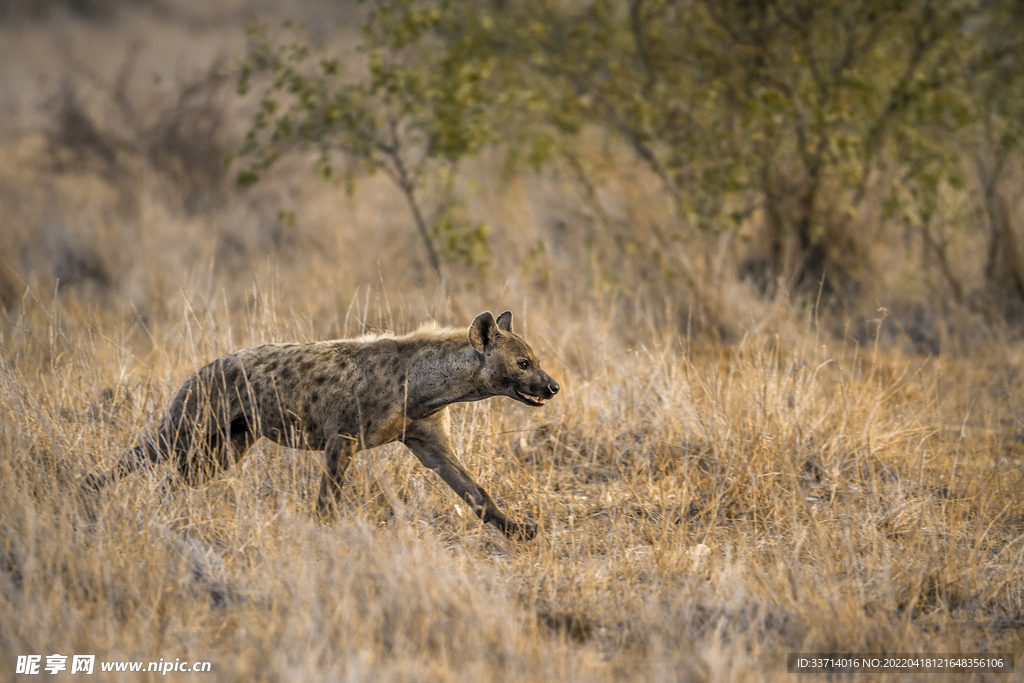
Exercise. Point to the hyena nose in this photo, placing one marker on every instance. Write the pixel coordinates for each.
(553, 387)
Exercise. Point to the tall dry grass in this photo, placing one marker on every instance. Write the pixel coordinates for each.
(849, 500)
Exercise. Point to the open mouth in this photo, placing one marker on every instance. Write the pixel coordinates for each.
(531, 400)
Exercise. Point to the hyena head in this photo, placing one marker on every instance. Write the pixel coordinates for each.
(510, 366)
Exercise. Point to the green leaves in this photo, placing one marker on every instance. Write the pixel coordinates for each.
(789, 113)
(419, 109)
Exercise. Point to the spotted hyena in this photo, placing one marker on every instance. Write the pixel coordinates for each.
(347, 395)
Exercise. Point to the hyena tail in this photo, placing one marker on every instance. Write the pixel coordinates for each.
(148, 453)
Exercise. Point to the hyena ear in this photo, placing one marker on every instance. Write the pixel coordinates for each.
(482, 331)
(505, 321)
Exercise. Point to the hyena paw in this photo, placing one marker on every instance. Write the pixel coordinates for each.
(520, 531)
(326, 511)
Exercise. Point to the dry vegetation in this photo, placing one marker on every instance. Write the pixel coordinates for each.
(715, 489)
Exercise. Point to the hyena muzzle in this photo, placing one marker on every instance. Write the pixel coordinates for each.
(345, 396)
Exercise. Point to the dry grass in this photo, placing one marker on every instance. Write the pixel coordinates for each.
(850, 501)
(721, 480)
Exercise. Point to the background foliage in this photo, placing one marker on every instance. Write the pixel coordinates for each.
(818, 130)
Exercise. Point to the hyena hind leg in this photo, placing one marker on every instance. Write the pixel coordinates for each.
(339, 453)
(198, 464)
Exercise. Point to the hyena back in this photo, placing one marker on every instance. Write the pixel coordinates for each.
(344, 396)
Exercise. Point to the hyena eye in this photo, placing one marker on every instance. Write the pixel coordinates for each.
(523, 364)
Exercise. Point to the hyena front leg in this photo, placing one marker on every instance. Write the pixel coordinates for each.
(339, 452)
(436, 453)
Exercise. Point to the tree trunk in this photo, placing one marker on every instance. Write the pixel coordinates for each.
(1004, 267)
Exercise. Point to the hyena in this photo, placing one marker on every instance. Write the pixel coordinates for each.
(345, 396)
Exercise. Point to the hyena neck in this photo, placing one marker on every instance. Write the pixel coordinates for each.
(442, 375)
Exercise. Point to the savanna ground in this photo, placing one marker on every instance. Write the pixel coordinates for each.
(714, 490)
